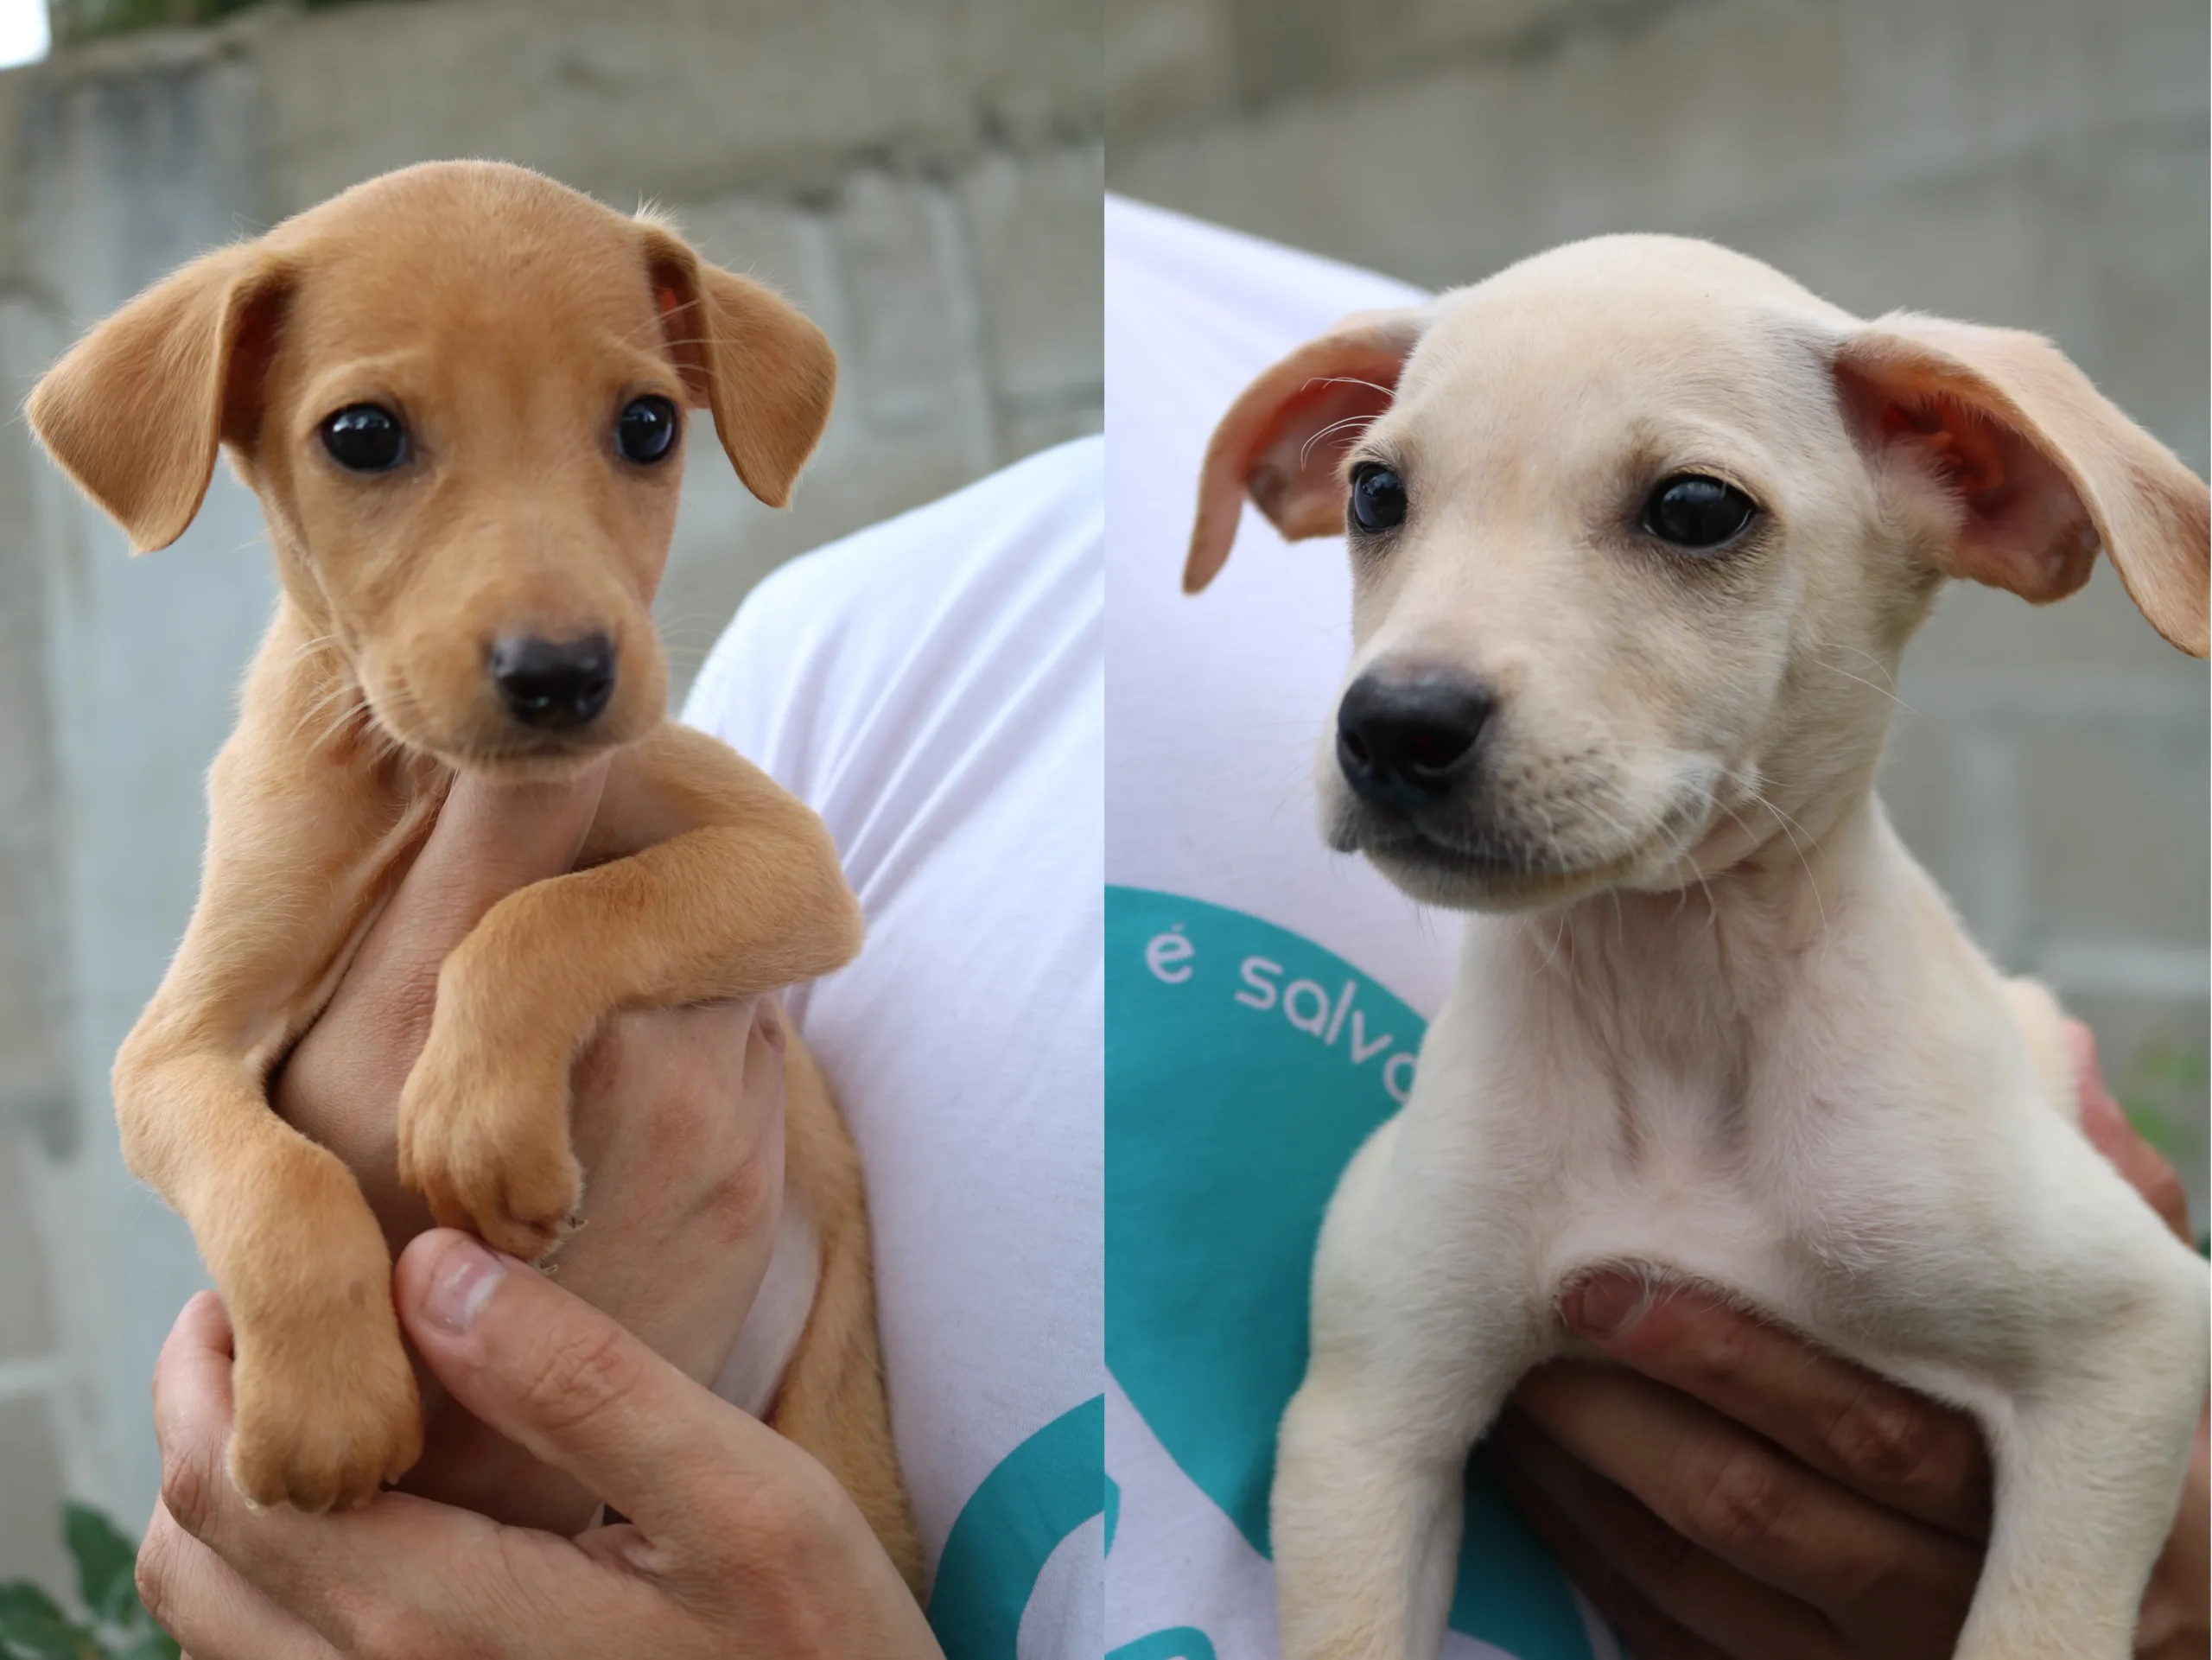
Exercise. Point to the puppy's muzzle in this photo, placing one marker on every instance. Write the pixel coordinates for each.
(553, 685)
(1406, 742)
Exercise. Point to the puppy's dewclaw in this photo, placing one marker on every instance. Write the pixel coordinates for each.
(1639, 530)
(459, 392)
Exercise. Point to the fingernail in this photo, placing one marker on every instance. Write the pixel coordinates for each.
(466, 1281)
(1604, 1305)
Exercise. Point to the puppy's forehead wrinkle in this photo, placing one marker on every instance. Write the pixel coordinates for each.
(361, 379)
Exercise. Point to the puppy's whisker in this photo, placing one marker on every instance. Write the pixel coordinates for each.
(1351, 380)
(309, 648)
(1870, 685)
(1875, 658)
(1361, 421)
(342, 702)
(659, 319)
(1789, 828)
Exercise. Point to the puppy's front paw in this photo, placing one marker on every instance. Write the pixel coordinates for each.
(326, 1410)
(486, 1144)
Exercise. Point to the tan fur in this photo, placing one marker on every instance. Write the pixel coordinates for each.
(835, 1373)
(507, 319)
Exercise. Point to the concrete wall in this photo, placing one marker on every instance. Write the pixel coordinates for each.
(2040, 164)
(922, 175)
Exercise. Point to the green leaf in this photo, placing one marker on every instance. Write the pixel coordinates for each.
(157, 1644)
(20, 1600)
(105, 1560)
(59, 1642)
(33, 1625)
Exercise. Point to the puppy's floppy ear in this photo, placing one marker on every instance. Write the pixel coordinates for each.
(2043, 467)
(1284, 436)
(746, 353)
(136, 409)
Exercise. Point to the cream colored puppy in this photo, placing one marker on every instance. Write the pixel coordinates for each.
(1639, 529)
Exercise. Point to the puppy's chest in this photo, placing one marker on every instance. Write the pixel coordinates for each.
(377, 828)
(1831, 1202)
(1665, 1147)
(1736, 1160)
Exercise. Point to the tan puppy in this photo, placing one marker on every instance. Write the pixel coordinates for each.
(457, 391)
(1639, 530)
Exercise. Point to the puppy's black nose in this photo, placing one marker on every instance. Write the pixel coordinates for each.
(554, 683)
(1407, 741)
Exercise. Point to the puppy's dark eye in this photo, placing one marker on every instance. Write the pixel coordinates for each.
(1378, 497)
(645, 430)
(1692, 511)
(365, 438)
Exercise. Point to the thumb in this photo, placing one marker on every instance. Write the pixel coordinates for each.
(575, 1390)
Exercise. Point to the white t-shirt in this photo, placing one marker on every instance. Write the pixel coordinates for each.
(934, 688)
(1265, 996)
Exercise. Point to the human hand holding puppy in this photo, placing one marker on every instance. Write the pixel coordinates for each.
(1730, 1490)
(738, 1542)
(677, 1119)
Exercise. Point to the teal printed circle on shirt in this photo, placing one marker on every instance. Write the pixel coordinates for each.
(1038, 1494)
(1244, 1066)
(1184, 1642)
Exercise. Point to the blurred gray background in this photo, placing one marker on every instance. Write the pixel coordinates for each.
(2038, 163)
(922, 177)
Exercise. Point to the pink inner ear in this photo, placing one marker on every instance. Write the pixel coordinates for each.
(2026, 527)
(1281, 442)
(690, 359)
(1971, 459)
(2063, 472)
(1283, 437)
